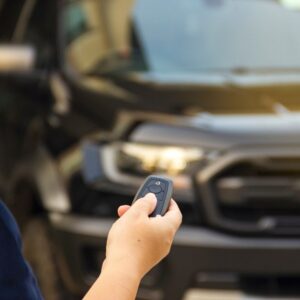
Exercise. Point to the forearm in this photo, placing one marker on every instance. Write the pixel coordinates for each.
(114, 283)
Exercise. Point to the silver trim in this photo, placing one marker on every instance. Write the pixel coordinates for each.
(251, 152)
(14, 58)
(108, 156)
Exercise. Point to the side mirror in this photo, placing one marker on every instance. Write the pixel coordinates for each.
(15, 58)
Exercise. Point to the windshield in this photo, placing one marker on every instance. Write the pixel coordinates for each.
(196, 35)
(188, 36)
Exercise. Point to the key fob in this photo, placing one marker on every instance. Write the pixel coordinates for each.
(162, 187)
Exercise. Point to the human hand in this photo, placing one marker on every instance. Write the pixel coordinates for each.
(137, 242)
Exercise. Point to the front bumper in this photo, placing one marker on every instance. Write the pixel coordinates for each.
(195, 251)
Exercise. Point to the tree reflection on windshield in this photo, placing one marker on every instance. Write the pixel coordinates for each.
(176, 36)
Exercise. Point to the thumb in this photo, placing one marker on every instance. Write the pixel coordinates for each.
(145, 205)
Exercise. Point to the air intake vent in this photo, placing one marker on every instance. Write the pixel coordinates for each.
(255, 194)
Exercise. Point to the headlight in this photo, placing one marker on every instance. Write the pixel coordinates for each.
(123, 166)
(140, 159)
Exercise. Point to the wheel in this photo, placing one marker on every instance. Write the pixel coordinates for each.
(39, 252)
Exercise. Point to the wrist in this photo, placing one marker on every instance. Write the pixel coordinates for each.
(116, 281)
(123, 267)
(121, 279)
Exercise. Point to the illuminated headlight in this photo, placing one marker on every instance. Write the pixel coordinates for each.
(125, 165)
(141, 159)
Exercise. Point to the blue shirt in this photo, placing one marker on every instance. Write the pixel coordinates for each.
(16, 278)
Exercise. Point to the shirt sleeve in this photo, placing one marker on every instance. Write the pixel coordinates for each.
(16, 277)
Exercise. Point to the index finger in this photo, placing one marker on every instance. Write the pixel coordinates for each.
(173, 214)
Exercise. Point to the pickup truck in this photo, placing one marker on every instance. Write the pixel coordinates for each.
(94, 98)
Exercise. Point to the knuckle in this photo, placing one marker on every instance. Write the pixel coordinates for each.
(170, 231)
(135, 212)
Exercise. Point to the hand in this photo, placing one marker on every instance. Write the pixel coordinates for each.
(137, 242)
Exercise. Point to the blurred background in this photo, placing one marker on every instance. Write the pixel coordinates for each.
(95, 95)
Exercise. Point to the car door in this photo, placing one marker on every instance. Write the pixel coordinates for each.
(26, 58)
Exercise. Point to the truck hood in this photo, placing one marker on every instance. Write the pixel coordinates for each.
(238, 78)
(214, 92)
(224, 131)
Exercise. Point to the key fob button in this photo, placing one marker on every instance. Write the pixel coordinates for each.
(160, 196)
(145, 192)
(159, 208)
(152, 182)
(163, 185)
(157, 182)
(155, 189)
(162, 188)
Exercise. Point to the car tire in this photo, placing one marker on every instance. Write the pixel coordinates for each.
(39, 252)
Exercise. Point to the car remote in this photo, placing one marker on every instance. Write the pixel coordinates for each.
(162, 187)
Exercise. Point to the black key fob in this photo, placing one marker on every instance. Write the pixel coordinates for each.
(162, 187)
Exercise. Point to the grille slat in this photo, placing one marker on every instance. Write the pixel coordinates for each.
(259, 192)
(255, 194)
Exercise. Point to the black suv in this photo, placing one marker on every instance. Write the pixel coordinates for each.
(107, 92)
